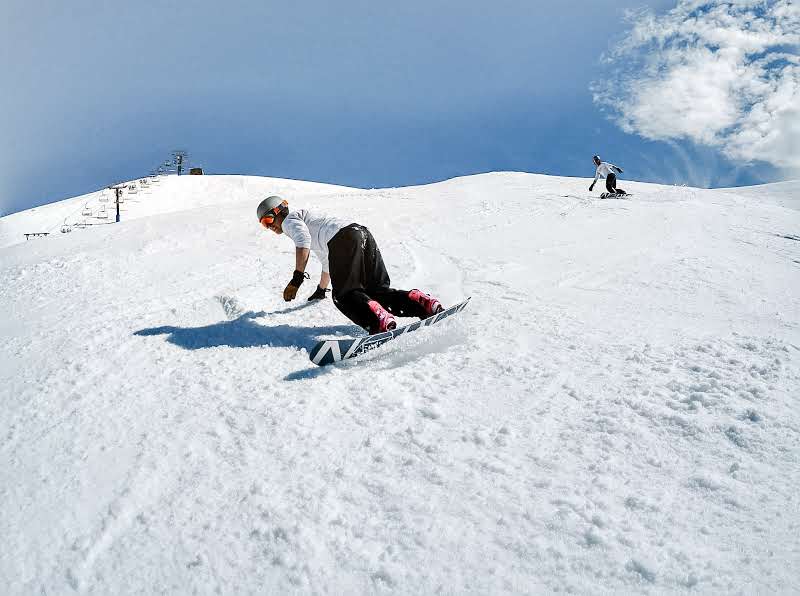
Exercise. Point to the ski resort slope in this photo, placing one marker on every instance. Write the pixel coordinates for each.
(615, 412)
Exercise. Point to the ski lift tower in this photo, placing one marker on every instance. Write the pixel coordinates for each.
(117, 188)
(179, 158)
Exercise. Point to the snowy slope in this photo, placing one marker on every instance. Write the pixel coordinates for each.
(162, 194)
(783, 194)
(616, 411)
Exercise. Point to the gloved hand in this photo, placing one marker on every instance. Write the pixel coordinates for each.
(318, 294)
(591, 187)
(290, 293)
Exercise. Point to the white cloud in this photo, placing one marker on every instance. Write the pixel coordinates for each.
(721, 74)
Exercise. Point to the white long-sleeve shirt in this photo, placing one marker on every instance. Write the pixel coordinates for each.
(604, 169)
(313, 231)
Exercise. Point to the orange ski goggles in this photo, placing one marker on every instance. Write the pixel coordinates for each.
(269, 218)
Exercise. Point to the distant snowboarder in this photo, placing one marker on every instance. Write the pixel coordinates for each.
(351, 262)
(609, 172)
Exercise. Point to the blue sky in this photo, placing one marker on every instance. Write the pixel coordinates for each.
(358, 93)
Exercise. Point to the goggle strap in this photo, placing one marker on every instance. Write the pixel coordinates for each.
(280, 207)
(274, 211)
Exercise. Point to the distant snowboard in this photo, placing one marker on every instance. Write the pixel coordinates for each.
(329, 351)
(615, 195)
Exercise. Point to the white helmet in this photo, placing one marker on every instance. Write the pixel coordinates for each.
(271, 206)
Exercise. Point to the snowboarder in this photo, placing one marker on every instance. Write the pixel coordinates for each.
(609, 172)
(351, 262)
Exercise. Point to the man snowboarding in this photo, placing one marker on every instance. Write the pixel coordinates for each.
(351, 262)
(609, 172)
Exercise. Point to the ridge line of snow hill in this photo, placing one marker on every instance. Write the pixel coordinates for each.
(172, 194)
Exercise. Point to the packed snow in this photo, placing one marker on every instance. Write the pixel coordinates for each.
(616, 411)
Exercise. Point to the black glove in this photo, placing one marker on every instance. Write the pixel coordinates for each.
(298, 277)
(318, 294)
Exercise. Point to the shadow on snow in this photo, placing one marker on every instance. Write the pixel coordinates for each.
(244, 332)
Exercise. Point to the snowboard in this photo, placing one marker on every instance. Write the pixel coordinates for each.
(329, 351)
(615, 195)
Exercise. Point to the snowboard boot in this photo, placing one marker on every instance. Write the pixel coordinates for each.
(384, 320)
(429, 304)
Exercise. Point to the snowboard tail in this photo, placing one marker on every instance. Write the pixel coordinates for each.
(329, 351)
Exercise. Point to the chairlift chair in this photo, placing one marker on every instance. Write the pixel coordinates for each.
(102, 214)
(87, 211)
(65, 228)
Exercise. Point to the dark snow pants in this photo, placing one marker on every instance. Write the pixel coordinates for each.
(358, 275)
(611, 184)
